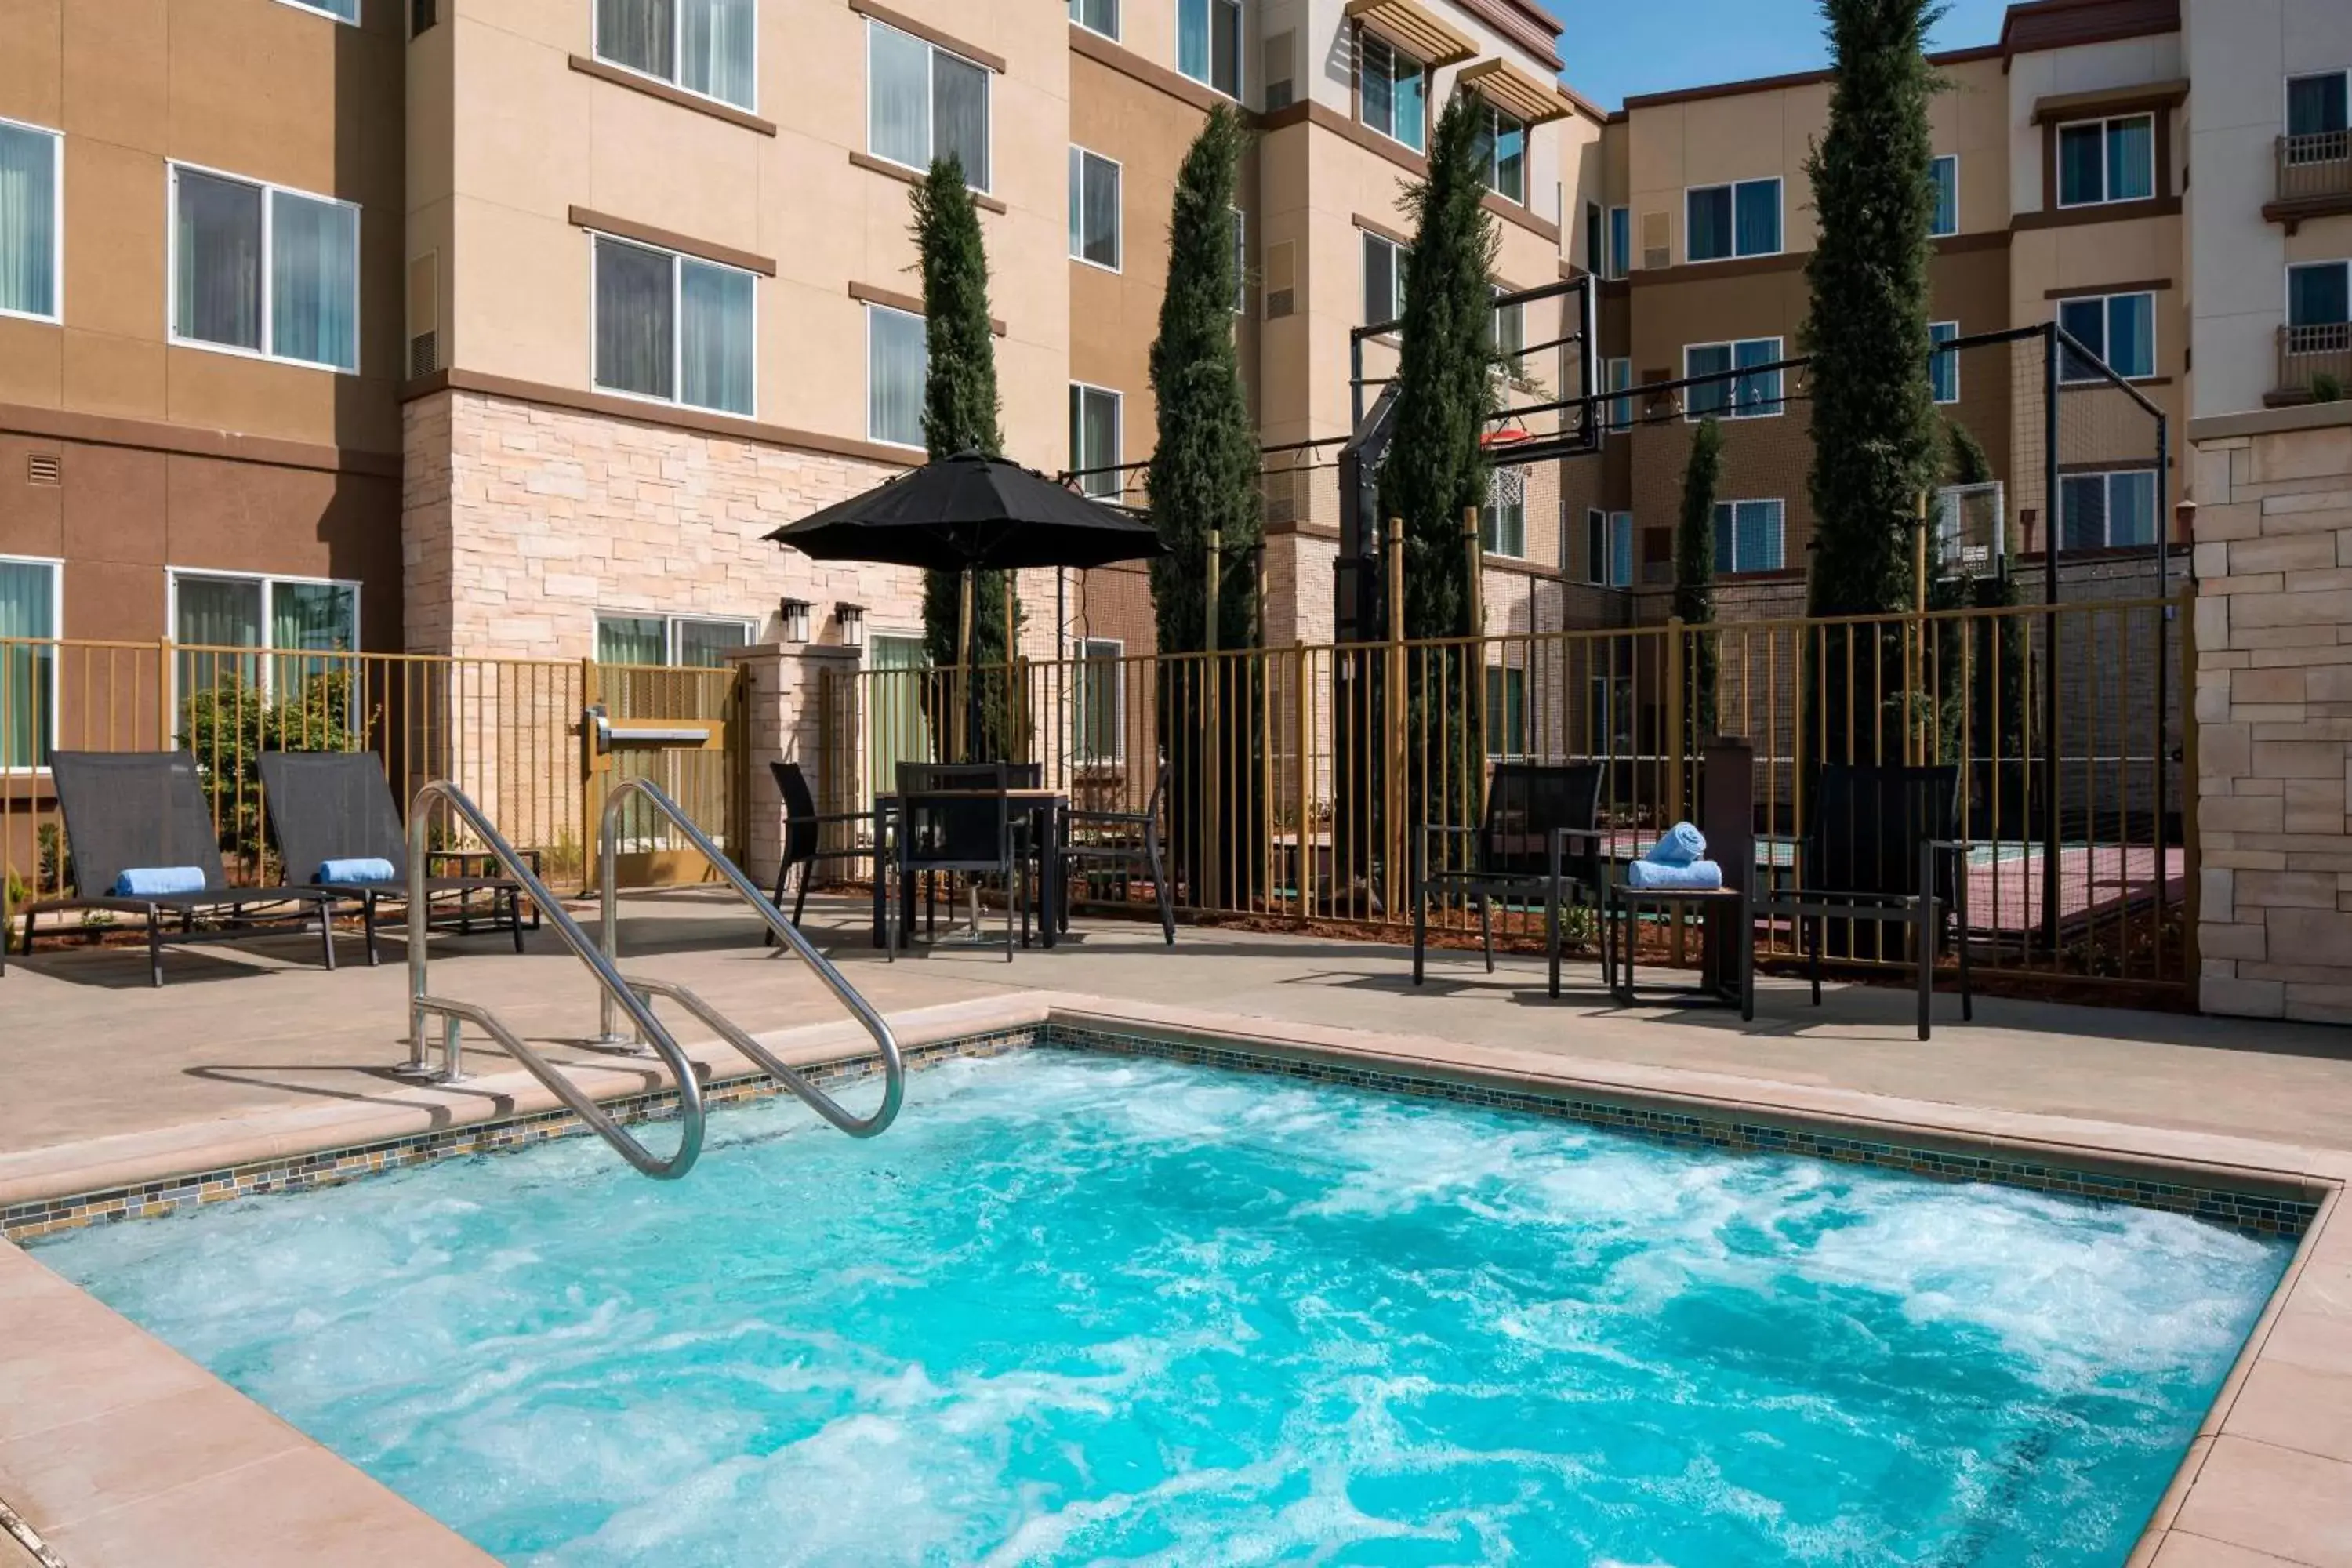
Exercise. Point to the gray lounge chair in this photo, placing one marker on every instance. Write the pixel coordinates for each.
(336, 805)
(142, 810)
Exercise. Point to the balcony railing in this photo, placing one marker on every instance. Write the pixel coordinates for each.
(2310, 358)
(2315, 169)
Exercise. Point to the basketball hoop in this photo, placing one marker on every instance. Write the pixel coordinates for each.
(1503, 436)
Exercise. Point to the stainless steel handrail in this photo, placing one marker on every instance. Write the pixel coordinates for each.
(894, 1069)
(422, 1005)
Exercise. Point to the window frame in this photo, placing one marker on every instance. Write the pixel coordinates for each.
(359, 10)
(1364, 276)
(677, 53)
(1491, 514)
(268, 189)
(1939, 356)
(1117, 263)
(2106, 123)
(265, 653)
(2286, 280)
(1621, 243)
(1500, 699)
(1117, 19)
(2106, 306)
(1733, 375)
(678, 260)
(1081, 653)
(1779, 222)
(1366, 38)
(1079, 392)
(1496, 116)
(1937, 160)
(1622, 533)
(57, 229)
(930, 86)
(2107, 518)
(1241, 39)
(47, 744)
(871, 309)
(1727, 542)
(671, 622)
(1619, 420)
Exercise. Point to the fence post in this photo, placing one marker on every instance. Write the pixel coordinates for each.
(164, 686)
(590, 690)
(1396, 836)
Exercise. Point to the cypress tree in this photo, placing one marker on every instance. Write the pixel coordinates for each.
(1874, 415)
(959, 400)
(1695, 574)
(1204, 466)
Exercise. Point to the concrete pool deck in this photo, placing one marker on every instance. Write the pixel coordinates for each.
(250, 1055)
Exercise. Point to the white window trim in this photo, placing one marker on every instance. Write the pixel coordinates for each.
(1779, 208)
(57, 235)
(1120, 7)
(57, 661)
(2156, 128)
(1733, 372)
(1241, 49)
(1396, 274)
(265, 652)
(1081, 654)
(678, 52)
(1937, 352)
(1364, 37)
(2106, 478)
(670, 622)
(988, 79)
(269, 272)
(1118, 225)
(871, 310)
(316, 9)
(1118, 432)
(1609, 239)
(678, 325)
(2287, 278)
(1954, 159)
(1733, 506)
(2155, 358)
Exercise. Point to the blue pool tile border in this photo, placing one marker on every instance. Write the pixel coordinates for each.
(2261, 1212)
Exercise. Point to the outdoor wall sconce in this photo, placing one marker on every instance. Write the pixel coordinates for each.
(853, 623)
(795, 615)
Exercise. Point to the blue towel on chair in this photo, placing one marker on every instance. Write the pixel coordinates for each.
(346, 873)
(1698, 877)
(1681, 845)
(158, 882)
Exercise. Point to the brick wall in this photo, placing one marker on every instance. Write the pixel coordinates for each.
(2274, 712)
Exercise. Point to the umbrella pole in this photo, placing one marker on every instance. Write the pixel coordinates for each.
(963, 666)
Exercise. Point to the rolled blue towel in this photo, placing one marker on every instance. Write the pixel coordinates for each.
(158, 882)
(347, 873)
(1698, 877)
(1680, 845)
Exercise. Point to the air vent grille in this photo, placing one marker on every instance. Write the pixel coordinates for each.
(423, 356)
(44, 468)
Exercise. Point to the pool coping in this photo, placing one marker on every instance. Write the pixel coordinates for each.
(2266, 1440)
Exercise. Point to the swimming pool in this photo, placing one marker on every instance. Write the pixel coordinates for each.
(1076, 1309)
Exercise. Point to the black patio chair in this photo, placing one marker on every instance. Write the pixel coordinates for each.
(129, 811)
(1883, 848)
(975, 775)
(1119, 840)
(804, 828)
(1539, 843)
(958, 817)
(326, 806)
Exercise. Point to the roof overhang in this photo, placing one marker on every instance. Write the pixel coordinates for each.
(1420, 32)
(1515, 92)
(2109, 100)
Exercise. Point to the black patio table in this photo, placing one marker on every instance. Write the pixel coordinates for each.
(1045, 806)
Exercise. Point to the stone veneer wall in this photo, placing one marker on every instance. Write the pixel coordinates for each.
(2274, 700)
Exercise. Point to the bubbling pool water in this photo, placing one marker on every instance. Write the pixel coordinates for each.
(1080, 1310)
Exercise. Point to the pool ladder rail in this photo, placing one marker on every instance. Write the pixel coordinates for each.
(620, 994)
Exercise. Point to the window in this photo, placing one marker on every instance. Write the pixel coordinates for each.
(1209, 43)
(1748, 535)
(1725, 221)
(2107, 510)
(1094, 208)
(2316, 106)
(1098, 698)
(1620, 549)
(2118, 329)
(2106, 161)
(924, 103)
(1596, 253)
(1093, 440)
(1384, 279)
(341, 10)
(1393, 89)
(1596, 545)
(1755, 395)
(1511, 335)
(1503, 149)
(1506, 710)
(1621, 241)
(282, 618)
(264, 271)
(2319, 295)
(685, 642)
(1097, 16)
(1947, 220)
(1609, 724)
(1944, 364)
(1620, 409)
(31, 608)
(897, 358)
(32, 239)
(674, 328)
(1503, 520)
(708, 47)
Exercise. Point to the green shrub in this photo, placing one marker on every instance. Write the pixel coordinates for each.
(230, 723)
(2327, 388)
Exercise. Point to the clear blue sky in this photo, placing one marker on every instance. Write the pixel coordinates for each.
(1614, 47)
